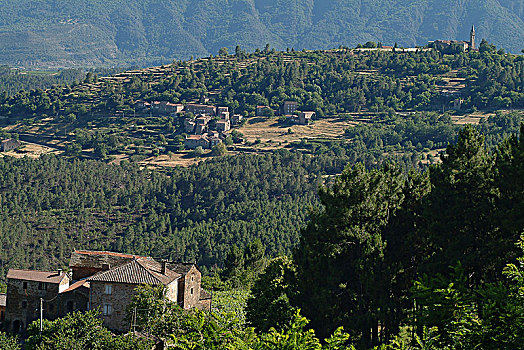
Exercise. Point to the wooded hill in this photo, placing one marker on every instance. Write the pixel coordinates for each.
(100, 116)
(94, 33)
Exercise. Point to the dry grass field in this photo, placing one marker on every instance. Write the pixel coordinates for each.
(30, 150)
(268, 129)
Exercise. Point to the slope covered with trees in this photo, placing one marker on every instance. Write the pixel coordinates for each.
(147, 32)
(387, 251)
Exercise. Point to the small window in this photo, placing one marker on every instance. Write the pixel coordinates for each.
(108, 309)
(42, 286)
(192, 278)
(24, 304)
(191, 290)
(108, 289)
(25, 285)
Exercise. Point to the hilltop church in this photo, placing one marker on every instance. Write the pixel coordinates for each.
(450, 45)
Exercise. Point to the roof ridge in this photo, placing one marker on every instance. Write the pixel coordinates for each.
(124, 266)
(148, 270)
(29, 270)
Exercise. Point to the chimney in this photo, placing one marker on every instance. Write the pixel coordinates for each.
(105, 267)
(164, 266)
(60, 272)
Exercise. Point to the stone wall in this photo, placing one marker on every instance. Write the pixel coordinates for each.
(23, 305)
(189, 289)
(119, 299)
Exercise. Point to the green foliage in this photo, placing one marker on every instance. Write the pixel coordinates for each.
(79, 331)
(269, 304)
(231, 303)
(8, 342)
(345, 239)
(219, 150)
(198, 152)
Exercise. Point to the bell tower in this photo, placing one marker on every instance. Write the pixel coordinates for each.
(472, 37)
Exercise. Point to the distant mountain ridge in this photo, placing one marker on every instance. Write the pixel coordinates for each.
(144, 32)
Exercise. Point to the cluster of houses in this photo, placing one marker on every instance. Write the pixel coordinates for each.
(207, 125)
(96, 280)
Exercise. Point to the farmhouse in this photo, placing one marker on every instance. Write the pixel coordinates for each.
(194, 141)
(104, 280)
(9, 144)
(289, 107)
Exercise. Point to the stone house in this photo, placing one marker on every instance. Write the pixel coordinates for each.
(25, 289)
(305, 117)
(112, 290)
(194, 141)
(236, 119)
(223, 125)
(103, 280)
(3, 299)
(200, 109)
(165, 107)
(289, 107)
(9, 144)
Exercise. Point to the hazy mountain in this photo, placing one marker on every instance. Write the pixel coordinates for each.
(96, 32)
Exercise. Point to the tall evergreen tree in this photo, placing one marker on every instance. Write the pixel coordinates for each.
(339, 260)
(460, 210)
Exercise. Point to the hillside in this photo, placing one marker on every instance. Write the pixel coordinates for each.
(106, 117)
(60, 33)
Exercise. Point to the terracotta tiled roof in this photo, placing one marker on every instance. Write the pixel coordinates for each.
(3, 299)
(77, 285)
(38, 276)
(121, 255)
(204, 294)
(138, 271)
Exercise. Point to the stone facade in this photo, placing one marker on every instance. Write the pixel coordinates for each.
(3, 299)
(9, 144)
(110, 288)
(23, 301)
(189, 287)
(200, 109)
(118, 300)
(289, 107)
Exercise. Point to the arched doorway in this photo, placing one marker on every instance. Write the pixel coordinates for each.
(17, 326)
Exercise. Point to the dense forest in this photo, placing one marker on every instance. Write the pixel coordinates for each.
(146, 32)
(51, 205)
